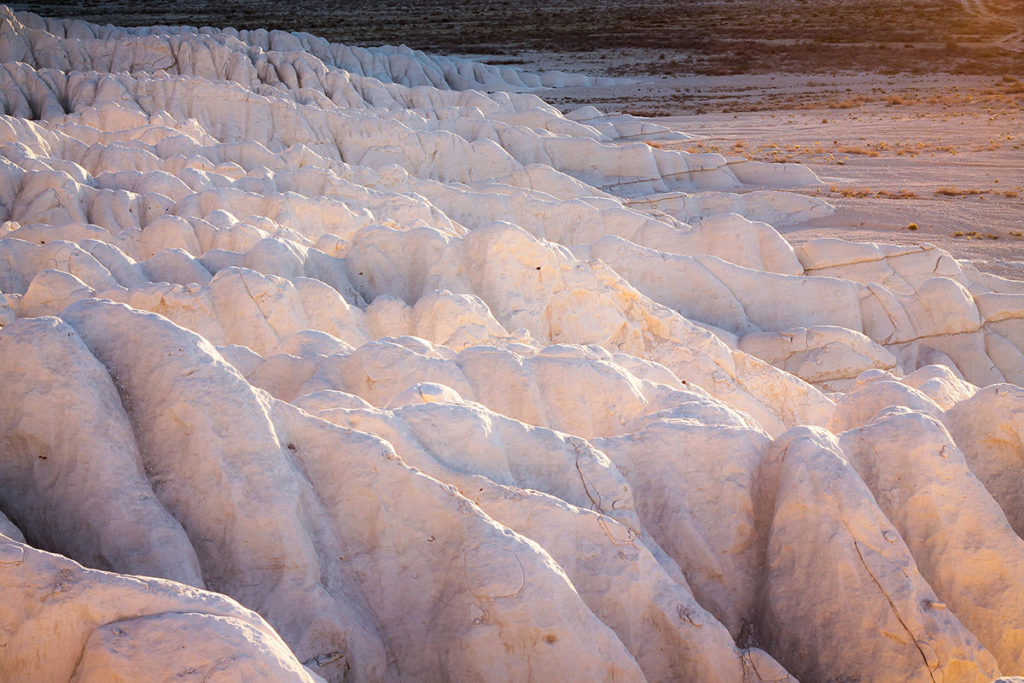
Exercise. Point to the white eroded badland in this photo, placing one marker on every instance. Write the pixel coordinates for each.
(442, 385)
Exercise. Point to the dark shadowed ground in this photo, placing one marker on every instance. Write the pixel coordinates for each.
(673, 37)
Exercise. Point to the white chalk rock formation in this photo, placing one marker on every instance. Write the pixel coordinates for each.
(75, 486)
(900, 630)
(445, 384)
(827, 356)
(948, 519)
(989, 427)
(64, 622)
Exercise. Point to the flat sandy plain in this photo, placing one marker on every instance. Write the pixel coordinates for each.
(912, 111)
(905, 158)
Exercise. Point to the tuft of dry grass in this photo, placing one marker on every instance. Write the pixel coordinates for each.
(1012, 86)
(902, 194)
(850, 192)
(865, 151)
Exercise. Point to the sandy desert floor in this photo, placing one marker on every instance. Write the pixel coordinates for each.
(942, 152)
(957, 174)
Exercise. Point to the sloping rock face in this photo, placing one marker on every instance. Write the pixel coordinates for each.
(320, 365)
(62, 621)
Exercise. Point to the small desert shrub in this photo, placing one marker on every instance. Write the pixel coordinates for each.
(850, 192)
(847, 103)
(858, 150)
(1014, 87)
(902, 194)
(912, 226)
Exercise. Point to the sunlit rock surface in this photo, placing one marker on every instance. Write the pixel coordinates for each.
(445, 385)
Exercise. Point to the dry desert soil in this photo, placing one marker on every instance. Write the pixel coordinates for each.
(666, 37)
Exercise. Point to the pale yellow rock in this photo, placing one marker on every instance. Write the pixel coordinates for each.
(455, 320)
(821, 354)
(899, 268)
(957, 533)
(240, 533)
(287, 377)
(752, 244)
(168, 232)
(864, 402)
(50, 292)
(177, 266)
(777, 302)
(8, 529)
(941, 384)
(989, 429)
(388, 316)
(185, 644)
(455, 592)
(63, 622)
(941, 306)
(313, 343)
(996, 306)
(829, 538)
(607, 557)
(662, 276)
(381, 370)
(20, 261)
(77, 486)
(697, 489)
(1005, 356)
(967, 352)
